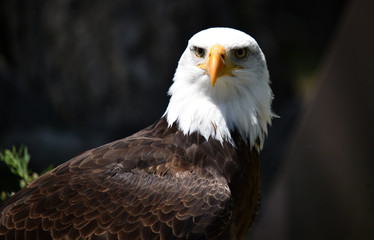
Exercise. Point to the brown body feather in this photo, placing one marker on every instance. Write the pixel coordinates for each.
(155, 184)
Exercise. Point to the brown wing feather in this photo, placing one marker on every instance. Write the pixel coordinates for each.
(151, 185)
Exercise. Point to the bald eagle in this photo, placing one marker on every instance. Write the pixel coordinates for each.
(193, 174)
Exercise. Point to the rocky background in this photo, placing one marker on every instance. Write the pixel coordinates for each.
(77, 74)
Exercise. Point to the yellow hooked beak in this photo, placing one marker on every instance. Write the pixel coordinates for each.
(217, 64)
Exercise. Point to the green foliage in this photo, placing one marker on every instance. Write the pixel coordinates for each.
(17, 162)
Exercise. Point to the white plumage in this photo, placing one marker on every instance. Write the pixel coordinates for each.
(241, 98)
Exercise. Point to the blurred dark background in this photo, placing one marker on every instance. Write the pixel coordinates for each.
(77, 74)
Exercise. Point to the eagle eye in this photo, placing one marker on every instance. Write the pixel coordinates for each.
(241, 53)
(199, 52)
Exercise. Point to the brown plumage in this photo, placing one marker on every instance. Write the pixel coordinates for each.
(194, 174)
(155, 184)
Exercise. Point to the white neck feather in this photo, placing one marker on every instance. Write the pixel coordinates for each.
(215, 112)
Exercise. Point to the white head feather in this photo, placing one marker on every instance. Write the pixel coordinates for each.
(240, 101)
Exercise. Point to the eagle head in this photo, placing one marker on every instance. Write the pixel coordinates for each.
(221, 85)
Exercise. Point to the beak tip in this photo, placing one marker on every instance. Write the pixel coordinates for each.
(213, 82)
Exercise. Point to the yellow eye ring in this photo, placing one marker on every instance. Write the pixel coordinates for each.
(241, 53)
(199, 52)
